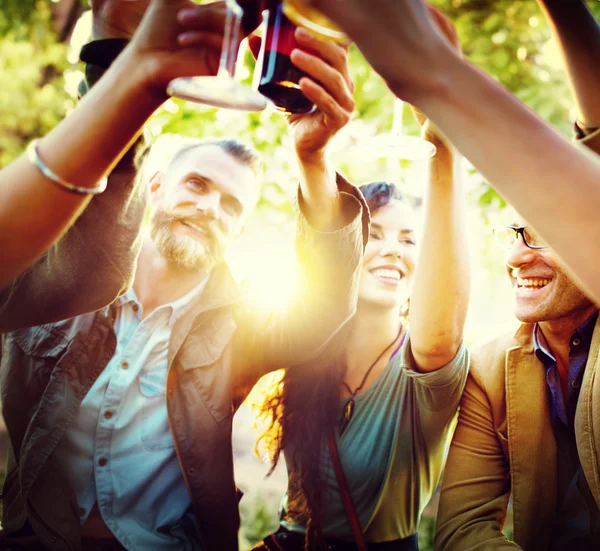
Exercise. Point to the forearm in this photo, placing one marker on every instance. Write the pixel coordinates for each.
(90, 266)
(578, 34)
(34, 212)
(530, 164)
(321, 199)
(440, 294)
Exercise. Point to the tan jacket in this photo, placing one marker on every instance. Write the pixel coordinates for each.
(504, 446)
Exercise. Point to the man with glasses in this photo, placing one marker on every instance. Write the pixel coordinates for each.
(528, 426)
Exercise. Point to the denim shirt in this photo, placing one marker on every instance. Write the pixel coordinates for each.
(122, 423)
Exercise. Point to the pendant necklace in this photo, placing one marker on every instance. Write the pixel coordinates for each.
(349, 407)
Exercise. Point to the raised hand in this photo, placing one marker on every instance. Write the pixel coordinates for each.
(399, 39)
(178, 38)
(328, 86)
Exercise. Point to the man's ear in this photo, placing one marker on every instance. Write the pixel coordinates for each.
(156, 182)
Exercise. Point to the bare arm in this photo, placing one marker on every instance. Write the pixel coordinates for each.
(33, 212)
(578, 35)
(440, 295)
(554, 185)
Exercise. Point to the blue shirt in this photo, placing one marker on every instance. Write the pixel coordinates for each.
(577, 523)
(119, 451)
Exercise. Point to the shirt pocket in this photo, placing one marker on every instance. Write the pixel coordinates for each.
(36, 352)
(155, 430)
(205, 361)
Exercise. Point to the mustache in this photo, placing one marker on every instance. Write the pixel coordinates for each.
(199, 221)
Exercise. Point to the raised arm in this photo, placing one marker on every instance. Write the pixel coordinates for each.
(333, 223)
(34, 212)
(440, 295)
(578, 35)
(555, 186)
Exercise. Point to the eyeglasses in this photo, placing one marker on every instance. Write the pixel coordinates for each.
(506, 237)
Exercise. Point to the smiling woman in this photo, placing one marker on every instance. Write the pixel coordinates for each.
(380, 396)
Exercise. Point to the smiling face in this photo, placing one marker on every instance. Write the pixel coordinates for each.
(543, 290)
(199, 206)
(389, 260)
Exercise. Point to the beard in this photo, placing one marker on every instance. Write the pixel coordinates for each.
(185, 251)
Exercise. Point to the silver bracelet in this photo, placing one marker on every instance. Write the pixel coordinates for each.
(34, 159)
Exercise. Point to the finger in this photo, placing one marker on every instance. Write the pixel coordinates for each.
(199, 39)
(204, 16)
(335, 116)
(330, 79)
(334, 54)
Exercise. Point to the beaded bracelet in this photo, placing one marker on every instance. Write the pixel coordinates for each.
(34, 159)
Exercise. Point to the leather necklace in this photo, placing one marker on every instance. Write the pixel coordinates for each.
(349, 407)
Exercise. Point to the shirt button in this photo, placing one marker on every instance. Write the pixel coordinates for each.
(136, 308)
(81, 511)
(575, 384)
(124, 365)
(108, 414)
(102, 461)
(576, 341)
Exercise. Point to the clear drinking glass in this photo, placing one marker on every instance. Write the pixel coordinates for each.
(395, 144)
(222, 90)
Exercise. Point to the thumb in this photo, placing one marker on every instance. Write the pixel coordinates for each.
(254, 42)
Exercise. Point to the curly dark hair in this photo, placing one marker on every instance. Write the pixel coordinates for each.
(304, 406)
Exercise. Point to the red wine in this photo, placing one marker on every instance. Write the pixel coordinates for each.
(279, 77)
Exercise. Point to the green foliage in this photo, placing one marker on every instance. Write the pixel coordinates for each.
(258, 522)
(32, 95)
(509, 39)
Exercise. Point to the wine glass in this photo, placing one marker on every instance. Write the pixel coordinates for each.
(222, 90)
(395, 144)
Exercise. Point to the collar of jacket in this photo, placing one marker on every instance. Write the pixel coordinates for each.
(221, 291)
(531, 441)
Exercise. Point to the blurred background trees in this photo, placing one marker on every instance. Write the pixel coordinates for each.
(509, 39)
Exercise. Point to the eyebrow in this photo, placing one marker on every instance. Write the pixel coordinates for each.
(376, 226)
(226, 196)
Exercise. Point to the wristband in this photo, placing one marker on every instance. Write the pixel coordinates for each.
(582, 130)
(98, 56)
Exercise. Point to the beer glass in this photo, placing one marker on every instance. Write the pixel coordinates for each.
(276, 77)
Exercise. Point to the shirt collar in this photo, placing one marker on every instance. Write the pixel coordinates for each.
(584, 332)
(176, 308)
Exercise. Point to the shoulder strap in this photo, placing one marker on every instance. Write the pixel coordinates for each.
(359, 538)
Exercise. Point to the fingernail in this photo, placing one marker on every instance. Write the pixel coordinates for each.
(298, 54)
(301, 32)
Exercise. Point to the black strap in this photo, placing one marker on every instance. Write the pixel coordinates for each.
(102, 52)
(359, 537)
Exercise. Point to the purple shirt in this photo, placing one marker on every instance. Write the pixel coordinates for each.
(577, 522)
